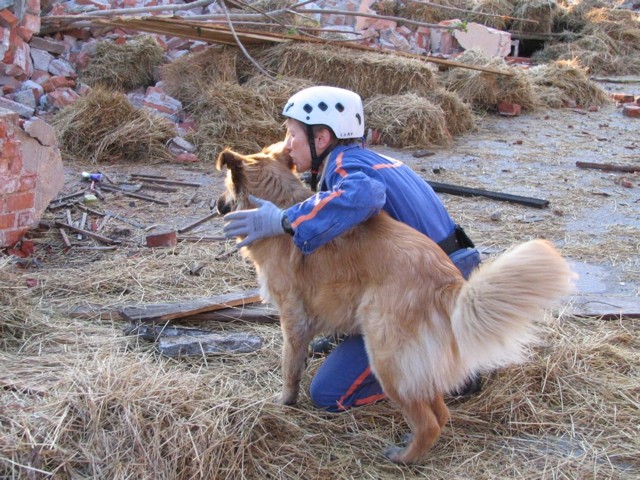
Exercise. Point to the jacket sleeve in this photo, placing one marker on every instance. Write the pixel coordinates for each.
(354, 198)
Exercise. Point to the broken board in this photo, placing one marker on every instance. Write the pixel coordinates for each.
(162, 312)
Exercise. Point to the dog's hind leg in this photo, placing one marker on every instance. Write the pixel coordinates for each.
(425, 423)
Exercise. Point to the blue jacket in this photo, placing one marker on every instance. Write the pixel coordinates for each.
(357, 184)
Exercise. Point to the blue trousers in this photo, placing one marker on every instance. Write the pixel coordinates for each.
(345, 379)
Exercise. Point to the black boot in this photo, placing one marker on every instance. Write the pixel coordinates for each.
(322, 346)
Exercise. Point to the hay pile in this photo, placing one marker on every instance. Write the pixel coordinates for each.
(124, 66)
(564, 83)
(406, 121)
(104, 126)
(367, 73)
(484, 90)
(429, 14)
(186, 77)
(498, 9)
(608, 43)
(544, 12)
(229, 114)
(459, 116)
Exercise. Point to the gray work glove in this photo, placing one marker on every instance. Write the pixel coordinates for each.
(254, 224)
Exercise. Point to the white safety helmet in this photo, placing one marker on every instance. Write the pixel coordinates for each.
(337, 108)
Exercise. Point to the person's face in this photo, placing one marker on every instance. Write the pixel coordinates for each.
(298, 145)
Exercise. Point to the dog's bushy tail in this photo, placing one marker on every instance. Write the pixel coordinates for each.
(496, 312)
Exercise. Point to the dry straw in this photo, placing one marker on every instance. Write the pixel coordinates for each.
(499, 10)
(432, 13)
(571, 80)
(459, 116)
(232, 115)
(608, 41)
(407, 121)
(105, 126)
(124, 66)
(81, 400)
(186, 77)
(366, 73)
(543, 12)
(484, 90)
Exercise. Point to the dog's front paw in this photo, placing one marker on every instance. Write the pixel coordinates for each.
(395, 454)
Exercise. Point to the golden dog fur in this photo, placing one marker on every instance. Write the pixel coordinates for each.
(426, 329)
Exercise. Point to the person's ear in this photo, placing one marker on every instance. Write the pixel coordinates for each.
(323, 139)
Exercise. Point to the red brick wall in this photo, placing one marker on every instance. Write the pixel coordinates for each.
(17, 186)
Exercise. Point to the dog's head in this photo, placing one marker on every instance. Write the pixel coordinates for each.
(267, 175)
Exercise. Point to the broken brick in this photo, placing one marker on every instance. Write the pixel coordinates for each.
(623, 97)
(631, 110)
(509, 109)
(163, 239)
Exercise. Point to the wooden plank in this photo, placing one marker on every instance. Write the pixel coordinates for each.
(609, 167)
(253, 313)
(607, 307)
(250, 313)
(478, 192)
(161, 312)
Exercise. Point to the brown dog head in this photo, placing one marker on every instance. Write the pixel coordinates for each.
(267, 175)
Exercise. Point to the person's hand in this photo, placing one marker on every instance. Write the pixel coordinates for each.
(254, 224)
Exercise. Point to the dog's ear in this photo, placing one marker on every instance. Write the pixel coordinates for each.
(230, 159)
(235, 164)
(280, 153)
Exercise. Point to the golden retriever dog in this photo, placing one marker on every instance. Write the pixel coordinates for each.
(425, 328)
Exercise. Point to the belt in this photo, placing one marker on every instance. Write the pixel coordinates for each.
(457, 240)
(450, 244)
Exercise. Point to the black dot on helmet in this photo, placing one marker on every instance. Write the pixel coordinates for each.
(359, 118)
(340, 107)
(307, 108)
(323, 106)
(308, 118)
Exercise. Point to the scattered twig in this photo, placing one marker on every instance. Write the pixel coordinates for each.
(135, 195)
(124, 219)
(95, 236)
(65, 239)
(190, 226)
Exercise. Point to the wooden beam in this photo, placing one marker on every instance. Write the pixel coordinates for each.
(477, 192)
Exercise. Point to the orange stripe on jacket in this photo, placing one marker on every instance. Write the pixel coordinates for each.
(354, 386)
(339, 170)
(316, 209)
(394, 164)
(370, 399)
